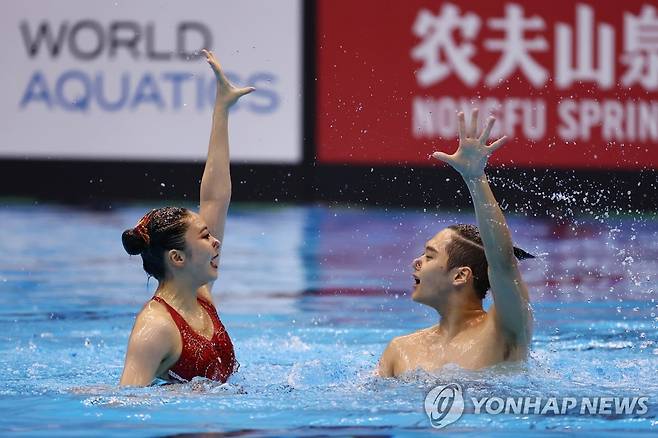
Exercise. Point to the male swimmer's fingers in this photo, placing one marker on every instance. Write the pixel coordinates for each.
(487, 130)
(462, 125)
(474, 124)
(498, 143)
(441, 156)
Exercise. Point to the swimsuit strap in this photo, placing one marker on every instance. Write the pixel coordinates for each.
(212, 312)
(180, 321)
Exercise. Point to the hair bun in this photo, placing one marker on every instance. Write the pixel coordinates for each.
(133, 242)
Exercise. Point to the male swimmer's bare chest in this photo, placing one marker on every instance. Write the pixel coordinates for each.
(475, 348)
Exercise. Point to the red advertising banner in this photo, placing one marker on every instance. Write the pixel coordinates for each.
(572, 83)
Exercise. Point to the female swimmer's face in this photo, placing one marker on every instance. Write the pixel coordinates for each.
(201, 251)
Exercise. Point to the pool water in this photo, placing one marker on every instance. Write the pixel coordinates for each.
(311, 296)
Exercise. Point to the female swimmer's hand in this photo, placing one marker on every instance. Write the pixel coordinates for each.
(472, 154)
(227, 93)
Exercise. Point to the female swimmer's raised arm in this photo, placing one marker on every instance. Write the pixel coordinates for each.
(216, 180)
(511, 304)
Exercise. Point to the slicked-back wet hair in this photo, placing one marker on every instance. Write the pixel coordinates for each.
(466, 249)
(159, 231)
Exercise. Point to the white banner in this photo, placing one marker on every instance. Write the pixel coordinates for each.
(101, 79)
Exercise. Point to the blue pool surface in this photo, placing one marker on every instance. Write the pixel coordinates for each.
(310, 297)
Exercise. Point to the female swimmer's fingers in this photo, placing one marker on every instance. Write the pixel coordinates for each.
(474, 124)
(214, 63)
(487, 130)
(441, 156)
(498, 143)
(207, 53)
(245, 90)
(210, 57)
(462, 125)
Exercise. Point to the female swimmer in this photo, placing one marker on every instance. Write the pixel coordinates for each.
(177, 335)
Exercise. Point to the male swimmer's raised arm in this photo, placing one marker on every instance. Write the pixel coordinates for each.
(511, 309)
(216, 180)
(148, 347)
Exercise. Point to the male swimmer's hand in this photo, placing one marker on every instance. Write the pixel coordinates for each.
(472, 154)
(227, 93)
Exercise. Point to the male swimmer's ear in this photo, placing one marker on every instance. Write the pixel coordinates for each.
(462, 275)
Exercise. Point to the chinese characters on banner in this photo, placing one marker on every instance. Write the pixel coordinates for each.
(575, 86)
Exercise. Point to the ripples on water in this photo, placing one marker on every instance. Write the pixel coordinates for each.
(311, 301)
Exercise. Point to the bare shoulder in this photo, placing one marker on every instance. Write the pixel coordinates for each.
(400, 343)
(153, 321)
(415, 337)
(390, 361)
(152, 343)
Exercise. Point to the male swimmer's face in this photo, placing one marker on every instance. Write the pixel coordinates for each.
(431, 279)
(201, 250)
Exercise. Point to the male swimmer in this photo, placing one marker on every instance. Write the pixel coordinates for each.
(178, 335)
(457, 267)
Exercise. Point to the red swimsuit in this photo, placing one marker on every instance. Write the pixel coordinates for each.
(211, 358)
